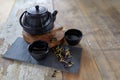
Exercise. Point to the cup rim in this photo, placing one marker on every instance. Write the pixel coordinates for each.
(73, 29)
(30, 46)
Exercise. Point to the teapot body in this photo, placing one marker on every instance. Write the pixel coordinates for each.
(37, 22)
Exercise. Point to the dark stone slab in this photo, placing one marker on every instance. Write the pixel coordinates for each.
(18, 51)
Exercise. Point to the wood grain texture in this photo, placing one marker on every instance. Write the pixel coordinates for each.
(57, 33)
(99, 20)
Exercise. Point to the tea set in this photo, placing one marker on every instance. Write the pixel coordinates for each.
(37, 22)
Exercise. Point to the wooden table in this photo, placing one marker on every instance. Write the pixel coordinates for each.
(99, 20)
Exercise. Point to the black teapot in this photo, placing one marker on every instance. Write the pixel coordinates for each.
(37, 20)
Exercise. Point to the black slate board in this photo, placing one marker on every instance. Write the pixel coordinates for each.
(18, 51)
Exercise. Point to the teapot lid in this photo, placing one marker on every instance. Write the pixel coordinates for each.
(37, 10)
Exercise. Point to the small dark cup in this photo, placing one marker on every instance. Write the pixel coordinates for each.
(73, 36)
(38, 49)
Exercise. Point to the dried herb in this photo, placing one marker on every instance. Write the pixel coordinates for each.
(64, 55)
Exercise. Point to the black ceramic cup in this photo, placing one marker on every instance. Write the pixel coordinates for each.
(73, 36)
(38, 49)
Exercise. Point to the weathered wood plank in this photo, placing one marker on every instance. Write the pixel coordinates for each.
(99, 27)
(101, 39)
(114, 61)
(5, 9)
(74, 18)
(10, 31)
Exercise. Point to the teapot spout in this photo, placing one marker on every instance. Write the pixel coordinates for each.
(54, 14)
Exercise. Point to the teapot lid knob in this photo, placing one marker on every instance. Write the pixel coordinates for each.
(37, 7)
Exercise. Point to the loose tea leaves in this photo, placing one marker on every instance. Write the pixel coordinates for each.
(64, 55)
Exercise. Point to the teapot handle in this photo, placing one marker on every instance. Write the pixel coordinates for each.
(20, 20)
